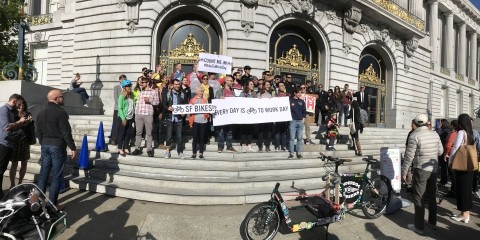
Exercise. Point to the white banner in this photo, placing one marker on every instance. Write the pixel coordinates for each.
(390, 166)
(239, 110)
(215, 63)
(193, 109)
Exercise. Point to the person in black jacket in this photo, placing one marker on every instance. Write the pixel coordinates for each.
(321, 107)
(174, 97)
(54, 134)
(355, 116)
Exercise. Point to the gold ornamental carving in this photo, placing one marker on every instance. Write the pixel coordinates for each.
(293, 58)
(189, 48)
(369, 75)
(401, 13)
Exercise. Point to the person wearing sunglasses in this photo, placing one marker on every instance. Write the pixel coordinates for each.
(144, 111)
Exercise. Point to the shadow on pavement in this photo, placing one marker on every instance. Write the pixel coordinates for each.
(447, 228)
(373, 229)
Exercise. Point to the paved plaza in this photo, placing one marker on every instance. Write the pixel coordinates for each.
(96, 216)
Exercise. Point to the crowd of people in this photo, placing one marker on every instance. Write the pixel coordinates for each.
(53, 132)
(144, 107)
(441, 151)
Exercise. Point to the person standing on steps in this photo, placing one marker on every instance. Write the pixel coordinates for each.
(144, 110)
(355, 116)
(7, 125)
(299, 112)
(117, 90)
(424, 147)
(126, 114)
(54, 135)
(174, 121)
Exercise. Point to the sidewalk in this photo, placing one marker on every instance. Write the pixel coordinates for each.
(96, 216)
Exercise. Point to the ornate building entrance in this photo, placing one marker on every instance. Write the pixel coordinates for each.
(372, 76)
(296, 51)
(183, 39)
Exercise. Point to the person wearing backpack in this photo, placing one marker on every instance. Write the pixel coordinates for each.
(354, 115)
(362, 99)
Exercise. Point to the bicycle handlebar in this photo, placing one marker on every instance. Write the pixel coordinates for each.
(335, 160)
(12, 204)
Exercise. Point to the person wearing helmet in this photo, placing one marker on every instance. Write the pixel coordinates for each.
(126, 112)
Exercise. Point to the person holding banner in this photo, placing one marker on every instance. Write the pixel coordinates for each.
(246, 129)
(309, 116)
(265, 128)
(225, 132)
(299, 111)
(198, 123)
(174, 122)
(193, 78)
(281, 128)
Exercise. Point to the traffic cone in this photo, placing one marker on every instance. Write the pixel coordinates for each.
(100, 145)
(83, 159)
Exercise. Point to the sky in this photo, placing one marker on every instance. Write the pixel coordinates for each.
(476, 3)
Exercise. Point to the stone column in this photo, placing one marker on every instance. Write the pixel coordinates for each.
(44, 7)
(449, 41)
(473, 56)
(416, 7)
(402, 3)
(29, 7)
(433, 29)
(462, 50)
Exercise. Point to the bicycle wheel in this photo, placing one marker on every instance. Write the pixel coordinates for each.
(376, 196)
(260, 223)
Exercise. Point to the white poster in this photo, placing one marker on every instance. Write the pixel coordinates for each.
(215, 63)
(193, 108)
(390, 166)
(234, 110)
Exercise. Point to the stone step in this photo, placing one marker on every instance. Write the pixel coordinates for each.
(188, 196)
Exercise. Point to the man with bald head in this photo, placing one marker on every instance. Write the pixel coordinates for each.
(54, 135)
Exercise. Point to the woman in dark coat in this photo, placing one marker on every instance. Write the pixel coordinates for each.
(355, 116)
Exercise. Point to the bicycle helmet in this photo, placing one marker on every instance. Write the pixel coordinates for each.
(126, 83)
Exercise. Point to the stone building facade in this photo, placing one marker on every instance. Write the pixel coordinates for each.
(413, 56)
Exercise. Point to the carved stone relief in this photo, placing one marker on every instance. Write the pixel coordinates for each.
(351, 19)
(297, 6)
(131, 13)
(37, 37)
(247, 19)
(411, 46)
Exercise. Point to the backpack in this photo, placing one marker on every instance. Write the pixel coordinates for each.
(363, 116)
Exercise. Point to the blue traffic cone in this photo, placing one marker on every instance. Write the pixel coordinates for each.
(83, 159)
(100, 145)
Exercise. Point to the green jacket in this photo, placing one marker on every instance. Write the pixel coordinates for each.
(123, 107)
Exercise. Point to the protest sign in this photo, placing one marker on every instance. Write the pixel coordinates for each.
(193, 108)
(215, 63)
(309, 102)
(251, 110)
(390, 166)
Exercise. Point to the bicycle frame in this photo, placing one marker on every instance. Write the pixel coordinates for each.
(279, 204)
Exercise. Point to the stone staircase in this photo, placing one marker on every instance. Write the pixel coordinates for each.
(221, 178)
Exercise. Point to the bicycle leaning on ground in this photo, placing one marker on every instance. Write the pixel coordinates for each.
(358, 190)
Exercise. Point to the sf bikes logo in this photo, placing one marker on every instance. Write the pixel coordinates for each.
(351, 191)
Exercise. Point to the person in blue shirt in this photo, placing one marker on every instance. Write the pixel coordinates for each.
(299, 111)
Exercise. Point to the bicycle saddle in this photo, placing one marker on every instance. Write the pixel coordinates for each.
(320, 207)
